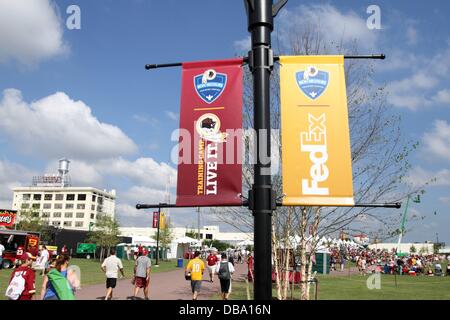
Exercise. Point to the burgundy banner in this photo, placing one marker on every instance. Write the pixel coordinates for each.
(209, 167)
(155, 219)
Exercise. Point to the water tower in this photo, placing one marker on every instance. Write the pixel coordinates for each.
(63, 172)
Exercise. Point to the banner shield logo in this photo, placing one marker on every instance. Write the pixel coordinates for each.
(312, 82)
(210, 85)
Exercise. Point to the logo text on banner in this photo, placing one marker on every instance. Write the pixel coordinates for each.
(7, 218)
(211, 122)
(316, 159)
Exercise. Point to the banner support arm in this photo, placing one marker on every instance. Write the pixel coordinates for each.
(276, 58)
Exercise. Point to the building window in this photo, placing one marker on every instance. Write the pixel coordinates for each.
(70, 197)
(81, 197)
(59, 196)
(209, 236)
(100, 200)
(68, 215)
(80, 214)
(26, 196)
(56, 223)
(56, 214)
(93, 207)
(35, 214)
(79, 224)
(67, 223)
(81, 206)
(36, 206)
(48, 196)
(25, 205)
(93, 198)
(37, 196)
(47, 205)
(58, 206)
(92, 216)
(45, 214)
(69, 205)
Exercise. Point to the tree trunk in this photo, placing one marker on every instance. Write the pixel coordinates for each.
(287, 246)
(303, 224)
(275, 258)
(313, 245)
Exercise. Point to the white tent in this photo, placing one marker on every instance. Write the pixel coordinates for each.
(187, 240)
(245, 243)
(144, 240)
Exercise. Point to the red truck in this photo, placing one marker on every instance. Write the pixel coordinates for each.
(13, 240)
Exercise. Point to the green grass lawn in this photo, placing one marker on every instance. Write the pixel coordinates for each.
(90, 272)
(354, 288)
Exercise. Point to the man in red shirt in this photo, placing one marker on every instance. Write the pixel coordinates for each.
(27, 274)
(212, 261)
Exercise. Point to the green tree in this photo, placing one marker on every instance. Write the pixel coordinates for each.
(165, 235)
(105, 233)
(219, 245)
(413, 249)
(29, 220)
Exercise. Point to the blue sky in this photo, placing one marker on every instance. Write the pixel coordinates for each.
(115, 120)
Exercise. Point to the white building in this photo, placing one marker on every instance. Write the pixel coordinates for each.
(55, 201)
(425, 248)
(206, 233)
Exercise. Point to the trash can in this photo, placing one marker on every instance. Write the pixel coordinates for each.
(180, 263)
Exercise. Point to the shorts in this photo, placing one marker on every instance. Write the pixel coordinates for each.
(196, 285)
(111, 283)
(140, 282)
(225, 285)
(212, 269)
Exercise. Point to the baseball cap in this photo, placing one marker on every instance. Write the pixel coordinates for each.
(26, 256)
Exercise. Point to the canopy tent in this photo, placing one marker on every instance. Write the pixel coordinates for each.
(245, 243)
(188, 240)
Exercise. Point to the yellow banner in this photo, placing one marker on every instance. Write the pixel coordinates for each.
(316, 158)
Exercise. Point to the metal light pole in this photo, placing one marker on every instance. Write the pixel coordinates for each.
(262, 197)
(157, 238)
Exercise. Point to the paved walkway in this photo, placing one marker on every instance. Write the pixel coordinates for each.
(169, 285)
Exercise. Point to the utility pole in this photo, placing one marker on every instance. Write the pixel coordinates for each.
(262, 199)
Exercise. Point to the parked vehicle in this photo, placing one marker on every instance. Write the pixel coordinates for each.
(17, 242)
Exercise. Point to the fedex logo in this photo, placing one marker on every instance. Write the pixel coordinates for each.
(314, 141)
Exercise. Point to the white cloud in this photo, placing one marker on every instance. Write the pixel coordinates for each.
(172, 115)
(334, 26)
(243, 45)
(12, 175)
(58, 126)
(442, 97)
(422, 87)
(437, 142)
(143, 171)
(418, 177)
(411, 35)
(445, 200)
(30, 31)
(146, 119)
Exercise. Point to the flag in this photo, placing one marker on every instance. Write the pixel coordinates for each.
(316, 158)
(209, 159)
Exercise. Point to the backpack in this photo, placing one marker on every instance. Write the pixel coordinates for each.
(224, 271)
(61, 285)
(16, 286)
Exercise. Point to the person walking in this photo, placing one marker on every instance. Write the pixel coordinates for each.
(142, 269)
(59, 283)
(212, 262)
(195, 268)
(111, 267)
(224, 270)
(22, 281)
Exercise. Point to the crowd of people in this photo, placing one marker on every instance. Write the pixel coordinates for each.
(61, 281)
(389, 262)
